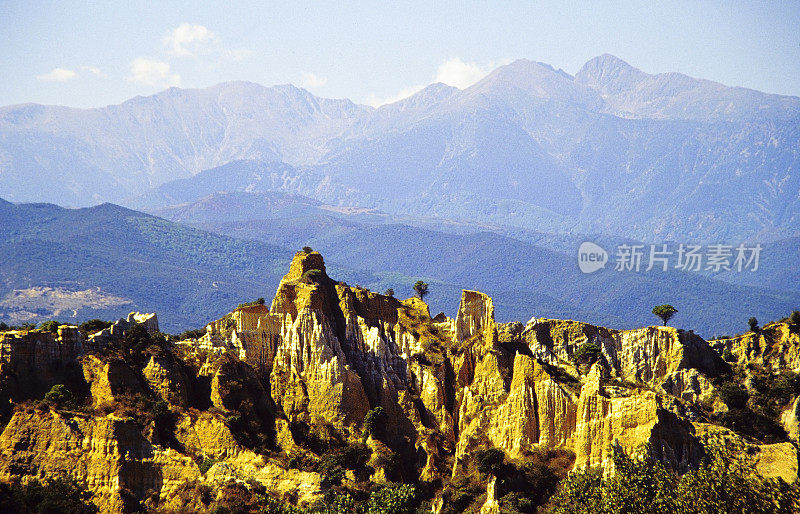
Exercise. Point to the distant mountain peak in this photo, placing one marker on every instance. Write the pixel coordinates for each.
(534, 79)
(608, 72)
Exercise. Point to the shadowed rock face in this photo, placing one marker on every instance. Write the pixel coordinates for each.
(324, 354)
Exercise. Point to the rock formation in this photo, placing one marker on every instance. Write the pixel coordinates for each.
(263, 382)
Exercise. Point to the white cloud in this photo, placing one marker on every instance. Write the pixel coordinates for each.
(94, 71)
(377, 101)
(455, 72)
(151, 72)
(58, 75)
(187, 40)
(311, 81)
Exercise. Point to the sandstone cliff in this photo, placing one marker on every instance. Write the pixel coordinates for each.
(268, 393)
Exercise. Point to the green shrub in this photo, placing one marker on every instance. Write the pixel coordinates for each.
(206, 464)
(93, 325)
(313, 276)
(734, 395)
(393, 499)
(259, 301)
(490, 462)
(50, 326)
(51, 496)
(374, 423)
(59, 396)
(588, 353)
(728, 356)
(726, 481)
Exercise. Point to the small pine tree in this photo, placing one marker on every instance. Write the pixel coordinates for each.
(665, 312)
(753, 322)
(389, 292)
(308, 249)
(420, 289)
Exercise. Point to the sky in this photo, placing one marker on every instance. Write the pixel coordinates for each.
(96, 53)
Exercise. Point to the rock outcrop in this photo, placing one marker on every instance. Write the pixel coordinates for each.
(122, 325)
(250, 391)
(775, 346)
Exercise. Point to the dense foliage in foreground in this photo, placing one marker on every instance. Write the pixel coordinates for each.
(724, 482)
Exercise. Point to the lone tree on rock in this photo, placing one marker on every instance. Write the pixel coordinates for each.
(420, 289)
(665, 312)
(753, 322)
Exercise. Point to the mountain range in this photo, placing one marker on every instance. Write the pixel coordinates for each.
(106, 261)
(492, 187)
(610, 150)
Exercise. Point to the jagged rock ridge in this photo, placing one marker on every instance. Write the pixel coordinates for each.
(324, 354)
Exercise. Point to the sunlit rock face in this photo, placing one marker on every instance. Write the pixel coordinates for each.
(323, 354)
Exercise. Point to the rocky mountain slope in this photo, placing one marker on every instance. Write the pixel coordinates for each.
(610, 150)
(333, 390)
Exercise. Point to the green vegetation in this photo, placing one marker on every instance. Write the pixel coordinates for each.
(587, 354)
(333, 464)
(389, 292)
(665, 312)
(259, 301)
(308, 249)
(753, 324)
(393, 499)
(724, 482)
(794, 318)
(734, 395)
(206, 464)
(420, 289)
(93, 326)
(191, 334)
(313, 276)
(491, 461)
(50, 326)
(374, 423)
(52, 496)
(59, 397)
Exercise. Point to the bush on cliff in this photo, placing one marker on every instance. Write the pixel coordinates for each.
(734, 395)
(725, 482)
(51, 496)
(50, 326)
(393, 499)
(59, 397)
(93, 326)
(587, 354)
(374, 423)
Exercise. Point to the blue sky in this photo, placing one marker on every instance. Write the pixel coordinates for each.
(96, 53)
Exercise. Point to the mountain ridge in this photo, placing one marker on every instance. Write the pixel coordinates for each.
(654, 157)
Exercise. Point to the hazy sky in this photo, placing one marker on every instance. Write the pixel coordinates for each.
(96, 53)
